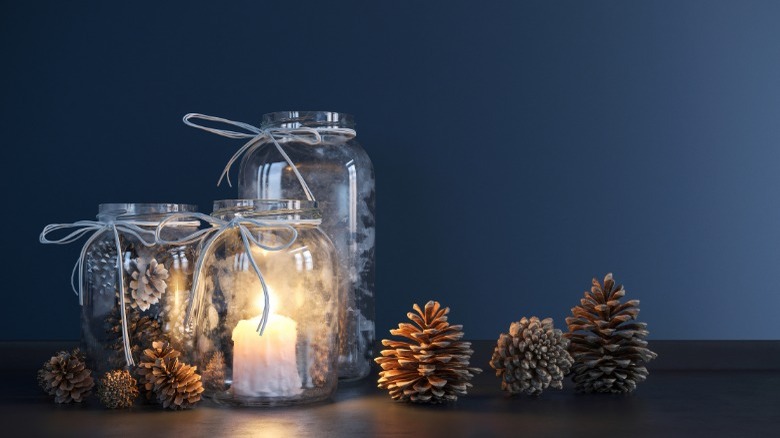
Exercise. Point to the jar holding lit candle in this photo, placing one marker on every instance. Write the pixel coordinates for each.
(315, 155)
(265, 319)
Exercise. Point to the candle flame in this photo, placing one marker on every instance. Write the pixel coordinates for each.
(272, 300)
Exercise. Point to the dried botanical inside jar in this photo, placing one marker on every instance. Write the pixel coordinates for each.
(156, 283)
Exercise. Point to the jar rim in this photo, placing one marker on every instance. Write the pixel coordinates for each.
(312, 119)
(125, 209)
(263, 205)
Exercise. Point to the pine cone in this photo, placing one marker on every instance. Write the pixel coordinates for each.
(607, 343)
(66, 377)
(147, 284)
(214, 373)
(531, 357)
(101, 265)
(175, 384)
(142, 330)
(117, 389)
(434, 367)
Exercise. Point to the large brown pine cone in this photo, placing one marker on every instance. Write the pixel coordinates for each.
(434, 366)
(607, 343)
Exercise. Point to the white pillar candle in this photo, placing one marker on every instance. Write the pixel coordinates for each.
(265, 365)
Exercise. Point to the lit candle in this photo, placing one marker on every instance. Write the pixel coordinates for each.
(265, 365)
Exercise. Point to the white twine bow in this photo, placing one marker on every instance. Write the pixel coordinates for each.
(257, 135)
(98, 229)
(219, 227)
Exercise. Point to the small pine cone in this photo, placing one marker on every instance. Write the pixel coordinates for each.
(66, 377)
(434, 366)
(147, 283)
(214, 373)
(607, 343)
(531, 357)
(117, 389)
(175, 384)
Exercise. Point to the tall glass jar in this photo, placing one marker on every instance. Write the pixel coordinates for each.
(294, 360)
(157, 283)
(339, 174)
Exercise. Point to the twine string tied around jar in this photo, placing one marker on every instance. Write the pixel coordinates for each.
(257, 136)
(98, 229)
(206, 238)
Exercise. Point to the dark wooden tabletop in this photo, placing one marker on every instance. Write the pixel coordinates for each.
(695, 389)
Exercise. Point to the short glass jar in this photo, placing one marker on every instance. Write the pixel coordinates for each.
(157, 282)
(339, 174)
(294, 360)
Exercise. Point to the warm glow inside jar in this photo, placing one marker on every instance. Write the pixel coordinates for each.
(340, 177)
(294, 360)
(157, 282)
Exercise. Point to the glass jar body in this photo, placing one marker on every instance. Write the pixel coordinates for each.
(340, 175)
(157, 284)
(294, 360)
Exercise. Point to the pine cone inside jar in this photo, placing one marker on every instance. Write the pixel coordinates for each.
(142, 331)
(531, 357)
(214, 373)
(101, 265)
(607, 343)
(117, 389)
(147, 284)
(66, 377)
(175, 384)
(433, 365)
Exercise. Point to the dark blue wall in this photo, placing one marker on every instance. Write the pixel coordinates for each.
(520, 148)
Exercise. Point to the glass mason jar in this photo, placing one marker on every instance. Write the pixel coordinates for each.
(294, 360)
(339, 174)
(157, 283)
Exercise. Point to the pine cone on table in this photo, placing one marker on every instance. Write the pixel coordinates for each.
(117, 389)
(175, 384)
(66, 377)
(607, 343)
(531, 357)
(147, 283)
(434, 366)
